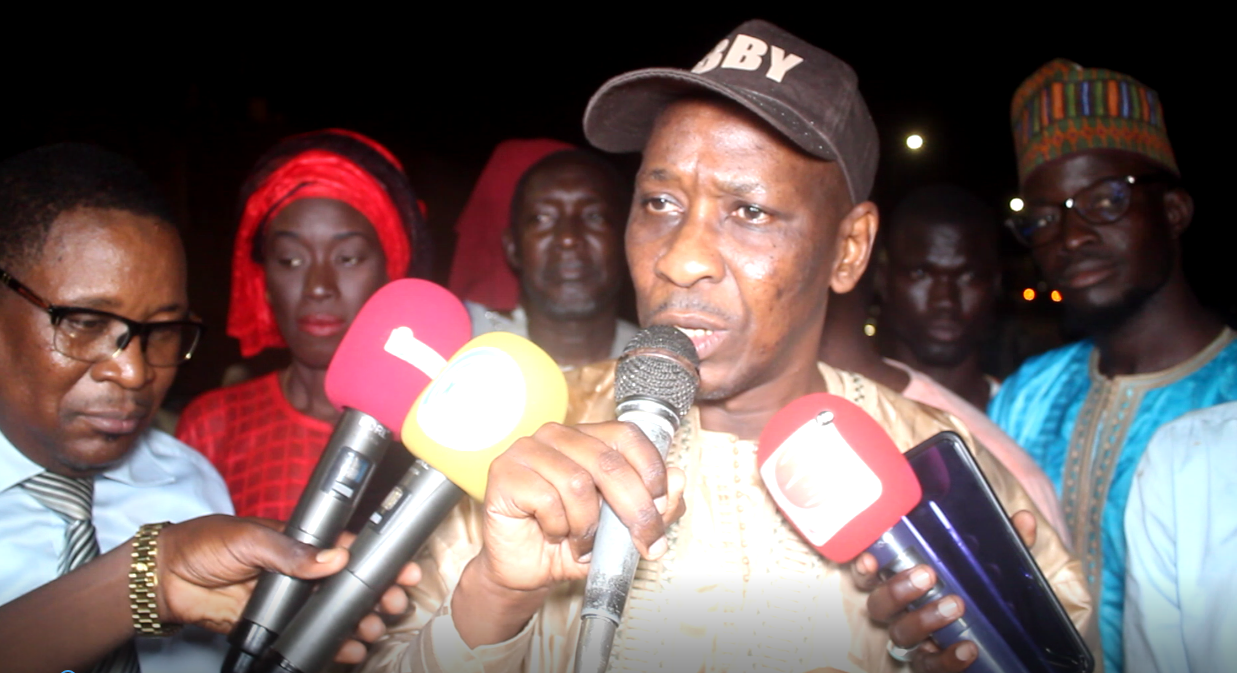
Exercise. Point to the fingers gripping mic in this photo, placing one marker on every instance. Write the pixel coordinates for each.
(654, 386)
(497, 388)
(398, 341)
(839, 479)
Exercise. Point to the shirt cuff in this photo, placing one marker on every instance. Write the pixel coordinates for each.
(443, 650)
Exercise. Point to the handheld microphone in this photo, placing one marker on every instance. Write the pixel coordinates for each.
(655, 383)
(392, 349)
(497, 388)
(839, 479)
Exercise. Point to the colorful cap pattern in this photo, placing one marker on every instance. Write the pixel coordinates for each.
(1064, 108)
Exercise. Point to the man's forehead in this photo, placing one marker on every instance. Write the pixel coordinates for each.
(98, 257)
(581, 182)
(943, 240)
(690, 129)
(568, 169)
(1078, 170)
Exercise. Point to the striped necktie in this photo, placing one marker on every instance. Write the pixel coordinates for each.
(72, 500)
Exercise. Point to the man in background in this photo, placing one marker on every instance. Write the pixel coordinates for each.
(938, 286)
(936, 265)
(565, 245)
(1105, 211)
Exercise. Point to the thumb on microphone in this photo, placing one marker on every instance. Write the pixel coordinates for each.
(207, 568)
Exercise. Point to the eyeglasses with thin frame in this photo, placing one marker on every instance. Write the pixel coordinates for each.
(90, 335)
(1102, 202)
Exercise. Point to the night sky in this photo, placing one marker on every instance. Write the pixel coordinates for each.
(196, 109)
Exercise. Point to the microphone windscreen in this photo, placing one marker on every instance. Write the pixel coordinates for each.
(835, 474)
(399, 341)
(497, 388)
(660, 363)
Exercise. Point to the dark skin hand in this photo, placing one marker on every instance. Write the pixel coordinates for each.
(206, 578)
(541, 508)
(888, 603)
(207, 568)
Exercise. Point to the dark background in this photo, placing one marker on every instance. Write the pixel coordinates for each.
(196, 104)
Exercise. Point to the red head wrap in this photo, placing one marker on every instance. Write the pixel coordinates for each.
(308, 175)
(480, 271)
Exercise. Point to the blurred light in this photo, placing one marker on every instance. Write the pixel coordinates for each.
(1028, 294)
(1016, 204)
(914, 141)
(1056, 296)
(869, 329)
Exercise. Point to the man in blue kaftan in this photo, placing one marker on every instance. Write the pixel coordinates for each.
(1104, 213)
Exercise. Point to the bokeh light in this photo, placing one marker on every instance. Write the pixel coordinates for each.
(914, 141)
(1029, 294)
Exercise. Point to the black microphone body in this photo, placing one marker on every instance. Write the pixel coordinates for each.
(347, 464)
(655, 384)
(406, 519)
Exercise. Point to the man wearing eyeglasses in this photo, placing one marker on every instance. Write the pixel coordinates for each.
(1105, 210)
(95, 319)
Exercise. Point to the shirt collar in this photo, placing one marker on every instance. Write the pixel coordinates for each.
(142, 468)
(15, 467)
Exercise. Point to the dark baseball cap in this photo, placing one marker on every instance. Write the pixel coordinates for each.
(807, 94)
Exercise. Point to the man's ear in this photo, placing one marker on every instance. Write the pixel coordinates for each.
(856, 238)
(1179, 209)
(513, 257)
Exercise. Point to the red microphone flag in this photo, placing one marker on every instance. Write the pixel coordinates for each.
(835, 474)
(398, 342)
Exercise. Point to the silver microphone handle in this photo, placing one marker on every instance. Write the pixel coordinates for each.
(614, 554)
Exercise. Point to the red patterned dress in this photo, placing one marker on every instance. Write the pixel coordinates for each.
(265, 449)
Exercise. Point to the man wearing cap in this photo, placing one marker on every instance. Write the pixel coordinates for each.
(1105, 212)
(750, 205)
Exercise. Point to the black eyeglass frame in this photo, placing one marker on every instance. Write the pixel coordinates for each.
(1013, 222)
(141, 330)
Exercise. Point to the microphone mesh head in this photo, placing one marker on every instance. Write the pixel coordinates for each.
(660, 363)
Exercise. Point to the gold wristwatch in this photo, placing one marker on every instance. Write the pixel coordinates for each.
(143, 580)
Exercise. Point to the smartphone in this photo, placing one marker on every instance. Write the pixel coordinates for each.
(961, 526)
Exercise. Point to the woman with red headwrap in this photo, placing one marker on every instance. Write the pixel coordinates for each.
(326, 219)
